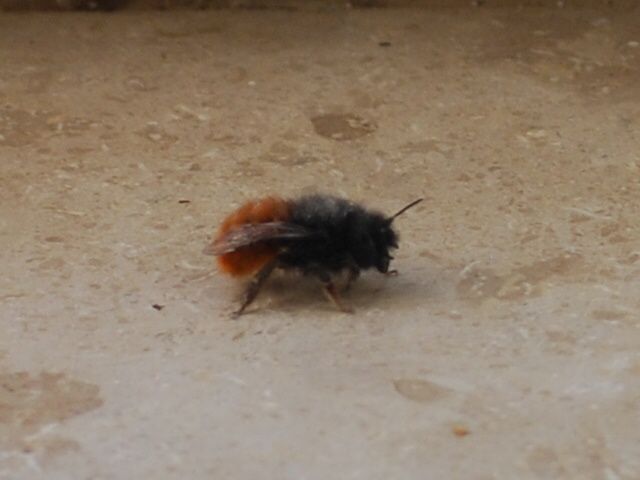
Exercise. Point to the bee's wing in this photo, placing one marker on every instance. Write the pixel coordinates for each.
(252, 233)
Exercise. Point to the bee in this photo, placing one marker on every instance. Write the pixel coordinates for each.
(318, 235)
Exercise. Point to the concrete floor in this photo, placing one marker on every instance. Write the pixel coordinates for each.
(507, 348)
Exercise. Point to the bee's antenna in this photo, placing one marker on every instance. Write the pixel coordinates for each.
(404, 209)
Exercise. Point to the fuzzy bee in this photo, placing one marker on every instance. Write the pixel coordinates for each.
(318, 235)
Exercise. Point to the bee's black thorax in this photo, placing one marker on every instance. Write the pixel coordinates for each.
(345, 236)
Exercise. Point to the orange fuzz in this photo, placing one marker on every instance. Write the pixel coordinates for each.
(247, 260)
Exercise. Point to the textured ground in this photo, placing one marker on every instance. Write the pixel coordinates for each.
(508, 346)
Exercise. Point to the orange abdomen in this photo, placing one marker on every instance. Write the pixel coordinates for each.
(247, 260)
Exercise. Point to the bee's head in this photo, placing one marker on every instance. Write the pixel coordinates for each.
(388, 239)
(385, 239)
(375, 239)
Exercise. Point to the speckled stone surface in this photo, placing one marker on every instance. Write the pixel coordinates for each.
(508, 346)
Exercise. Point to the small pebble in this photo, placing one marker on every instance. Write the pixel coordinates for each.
(460, 431)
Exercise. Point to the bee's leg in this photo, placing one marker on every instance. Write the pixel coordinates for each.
(392, 273)
(331, 291)
(352, 276)
(254, 287)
